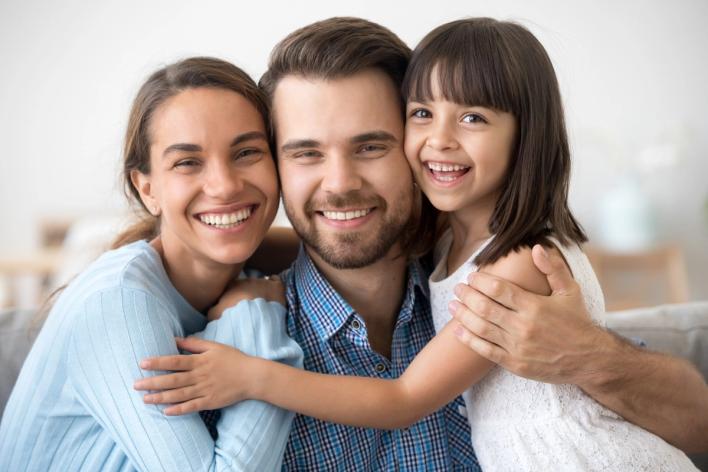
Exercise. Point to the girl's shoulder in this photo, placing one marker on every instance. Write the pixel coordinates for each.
(518, 267)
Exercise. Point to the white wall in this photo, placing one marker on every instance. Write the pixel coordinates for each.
(633, 75)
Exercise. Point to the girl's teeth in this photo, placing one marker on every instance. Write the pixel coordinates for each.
(439, 167)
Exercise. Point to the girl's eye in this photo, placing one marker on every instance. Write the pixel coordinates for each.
(420, 113)
(473, 118)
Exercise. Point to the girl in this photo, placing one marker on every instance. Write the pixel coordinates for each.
(486, 140)
(198, 161)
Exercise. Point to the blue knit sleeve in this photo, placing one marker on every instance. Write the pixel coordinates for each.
(121, 326)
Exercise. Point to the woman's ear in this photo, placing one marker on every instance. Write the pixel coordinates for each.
(142, 183)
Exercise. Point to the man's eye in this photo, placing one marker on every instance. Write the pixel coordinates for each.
(473, 118)
(306, 154)
(372, 150)
(420, 113)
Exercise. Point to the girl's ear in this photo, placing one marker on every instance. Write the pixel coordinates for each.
(142, 183)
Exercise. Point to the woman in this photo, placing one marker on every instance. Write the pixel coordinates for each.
(198, 161)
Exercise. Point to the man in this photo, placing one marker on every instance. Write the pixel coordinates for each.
(358, 306)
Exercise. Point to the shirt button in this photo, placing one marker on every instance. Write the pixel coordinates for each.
(356, 324)
(380, 368)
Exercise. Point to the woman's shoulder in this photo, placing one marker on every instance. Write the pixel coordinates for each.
(135, 266)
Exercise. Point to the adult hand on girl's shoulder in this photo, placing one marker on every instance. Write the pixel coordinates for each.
(269, 288)
(546, 337)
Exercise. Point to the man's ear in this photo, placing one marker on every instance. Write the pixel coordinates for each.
(142, 183)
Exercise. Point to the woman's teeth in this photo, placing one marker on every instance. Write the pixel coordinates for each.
(346, 215)
(226, 220)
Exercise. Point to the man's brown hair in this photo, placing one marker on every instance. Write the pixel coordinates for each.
(334, 48)
(340, 47)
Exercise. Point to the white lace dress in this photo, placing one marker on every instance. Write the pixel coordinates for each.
(523, 425)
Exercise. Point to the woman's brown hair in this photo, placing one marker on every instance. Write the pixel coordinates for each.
(501, 65)
(167, 82)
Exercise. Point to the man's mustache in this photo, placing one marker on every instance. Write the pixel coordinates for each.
(344, 201)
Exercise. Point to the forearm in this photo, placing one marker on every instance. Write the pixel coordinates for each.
(354, 401)
(662, 394)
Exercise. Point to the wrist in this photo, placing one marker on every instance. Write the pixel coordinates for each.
(606, 365)
(257, 373)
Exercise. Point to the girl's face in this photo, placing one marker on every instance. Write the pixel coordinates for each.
(212, 178)
(459, 154)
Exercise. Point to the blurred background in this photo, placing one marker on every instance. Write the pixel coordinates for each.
(633, 76)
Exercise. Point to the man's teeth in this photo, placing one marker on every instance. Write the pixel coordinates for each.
(346, 215)
(439, 167)
(226, 220)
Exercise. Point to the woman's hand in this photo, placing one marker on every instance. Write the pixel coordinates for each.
(269, 288)
(216, 375)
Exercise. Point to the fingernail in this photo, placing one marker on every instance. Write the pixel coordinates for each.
(458, 331)
(147, 399)
(452, 307)
(144, 364)
(458, 289)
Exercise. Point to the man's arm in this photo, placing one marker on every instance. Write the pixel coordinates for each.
(552, 339)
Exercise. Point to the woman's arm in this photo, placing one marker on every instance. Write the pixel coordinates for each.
(440, 372)
(117, 329)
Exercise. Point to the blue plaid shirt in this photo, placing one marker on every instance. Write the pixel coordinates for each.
(334, 339)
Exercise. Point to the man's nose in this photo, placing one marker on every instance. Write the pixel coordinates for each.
(341, 175)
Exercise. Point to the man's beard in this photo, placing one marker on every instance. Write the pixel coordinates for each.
(356, 248)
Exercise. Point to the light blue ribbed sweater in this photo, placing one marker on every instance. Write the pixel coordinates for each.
(74, 406)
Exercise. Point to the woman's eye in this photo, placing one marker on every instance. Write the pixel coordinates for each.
(186, 163)
(420, 113)
(473, 118)
(248, 153)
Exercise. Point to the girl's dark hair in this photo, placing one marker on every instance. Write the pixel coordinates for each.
(163, 84)
(501, 65)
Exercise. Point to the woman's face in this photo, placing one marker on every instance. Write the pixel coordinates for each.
(212, 177)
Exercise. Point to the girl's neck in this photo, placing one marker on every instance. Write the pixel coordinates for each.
(200, 282)
(470, 229)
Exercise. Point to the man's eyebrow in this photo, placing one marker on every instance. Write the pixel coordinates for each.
(299, 144)
(373, 136)
(188, 147)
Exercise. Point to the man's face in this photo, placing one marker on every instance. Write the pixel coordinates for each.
(346, 185)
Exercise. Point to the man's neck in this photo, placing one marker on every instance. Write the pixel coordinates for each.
(375, 292)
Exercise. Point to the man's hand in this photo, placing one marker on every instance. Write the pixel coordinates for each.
(552, 339)
(269, 288)
(546, 338)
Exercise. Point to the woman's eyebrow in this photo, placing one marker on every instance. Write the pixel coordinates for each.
(250, 136)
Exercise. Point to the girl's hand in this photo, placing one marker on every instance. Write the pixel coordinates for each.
(214, 376)
(269, 288)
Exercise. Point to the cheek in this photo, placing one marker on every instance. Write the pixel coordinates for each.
(411, 145)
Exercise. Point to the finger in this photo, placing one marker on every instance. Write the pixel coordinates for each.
(485, 307)
(478, 326)
(190, 406)
(195, 345)
(484, 348)
(178, 362)
(164, 382)
(172, 396)
(552, 264)
(503, 292)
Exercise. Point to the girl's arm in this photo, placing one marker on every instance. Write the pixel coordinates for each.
(440, 372)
